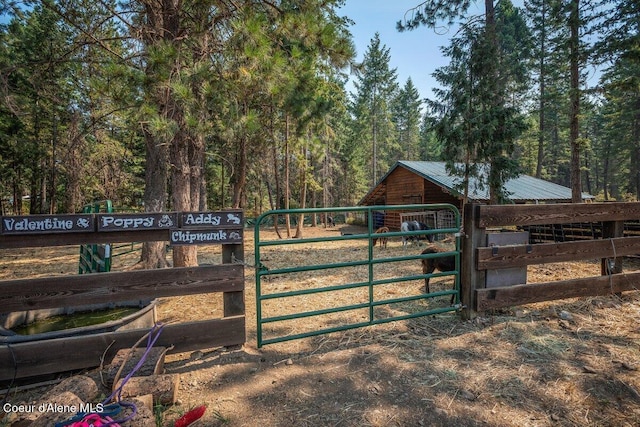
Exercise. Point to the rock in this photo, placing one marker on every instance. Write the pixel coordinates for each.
(71, 391)
(144, 415)
(565, 315)
(564, 324)
(163, 387)
(196, 355)
(61, 408)
(152, 364)
(468, 395)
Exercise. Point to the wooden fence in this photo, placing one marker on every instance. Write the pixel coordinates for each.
(477, 258)
(30, 359)
(575, 231)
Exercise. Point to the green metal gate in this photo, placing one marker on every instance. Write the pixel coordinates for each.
(294, 287)
(96, 258)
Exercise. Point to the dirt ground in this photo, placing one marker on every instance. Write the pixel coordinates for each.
(567, 363)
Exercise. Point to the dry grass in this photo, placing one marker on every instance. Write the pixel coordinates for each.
(564, 363)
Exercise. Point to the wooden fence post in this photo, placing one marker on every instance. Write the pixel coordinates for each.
(470, 277)
(233, 301)
(612, 229)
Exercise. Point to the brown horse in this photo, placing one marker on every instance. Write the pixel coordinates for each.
(383, 239)
(444, 263)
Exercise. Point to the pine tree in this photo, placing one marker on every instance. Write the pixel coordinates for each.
(430, 148)
(38, 100)
(478, 120)
(375, 85)
(406, 117)
(546, 29)
(618, 49)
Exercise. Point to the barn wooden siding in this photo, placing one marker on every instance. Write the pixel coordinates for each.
(433, 193)
(404, 187)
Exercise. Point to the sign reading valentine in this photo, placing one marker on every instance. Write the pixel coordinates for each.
(41, 224)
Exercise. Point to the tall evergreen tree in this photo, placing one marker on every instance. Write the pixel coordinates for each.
(619, 52)
(38, 97)
(406, 117)
(546, 29)
(479, 122)
(430, 148)
(621, 84)
(575, 98)
(376, 86)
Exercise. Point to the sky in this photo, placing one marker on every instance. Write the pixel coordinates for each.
(415, 54)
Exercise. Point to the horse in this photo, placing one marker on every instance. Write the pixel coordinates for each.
(329, 222)
(414, 226)
(383, 239)
(443, 264)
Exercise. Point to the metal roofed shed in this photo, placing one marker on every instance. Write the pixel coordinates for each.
(416, 182)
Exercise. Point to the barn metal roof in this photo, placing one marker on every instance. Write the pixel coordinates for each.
(524, 188)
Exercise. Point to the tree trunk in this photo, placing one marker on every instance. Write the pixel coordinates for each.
(155, 196)
(181, 191)
(635, 135)
(196, 167)
(542, 93)
(156, 150)
(574, 129)
(17, 190)
(492, 40)
(54, 177)
(276, 205)
(374, 141)
(240, 173)
(605, 174)
(587, 176)
(287, 189)
(74, 166)
(303, 192)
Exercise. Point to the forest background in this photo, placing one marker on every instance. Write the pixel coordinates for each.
(206, 104)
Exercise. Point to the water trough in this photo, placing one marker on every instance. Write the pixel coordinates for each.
(36, 325)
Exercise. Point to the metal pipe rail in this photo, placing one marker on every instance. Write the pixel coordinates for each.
(372, 281)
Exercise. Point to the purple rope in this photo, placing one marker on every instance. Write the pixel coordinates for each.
(154, 334)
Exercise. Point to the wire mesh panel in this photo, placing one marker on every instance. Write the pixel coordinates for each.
(445, 219)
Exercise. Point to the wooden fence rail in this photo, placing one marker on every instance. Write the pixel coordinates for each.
(478, 258)
(35, 358)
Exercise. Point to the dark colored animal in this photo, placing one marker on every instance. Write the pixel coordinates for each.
(414, 226)
(329, 222)
(443, 264)
(383, 239)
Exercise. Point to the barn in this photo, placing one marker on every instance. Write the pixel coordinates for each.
(419, 182)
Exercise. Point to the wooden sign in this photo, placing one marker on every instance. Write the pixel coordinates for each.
(136, 222)
(41, 224)
(224, 219)
(205, 236)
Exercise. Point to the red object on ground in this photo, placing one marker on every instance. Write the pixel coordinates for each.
(191, 416)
